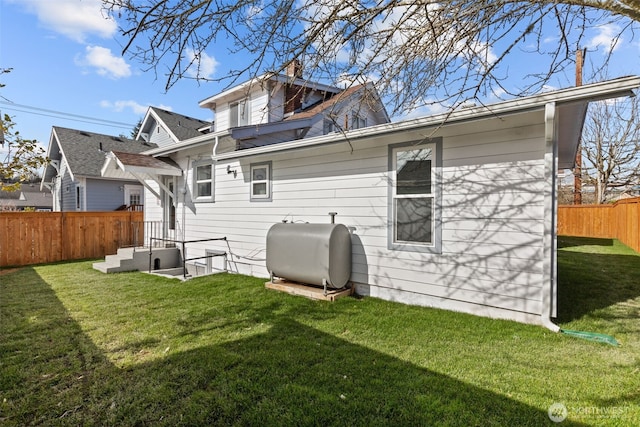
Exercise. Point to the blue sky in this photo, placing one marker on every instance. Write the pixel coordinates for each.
(66, 58)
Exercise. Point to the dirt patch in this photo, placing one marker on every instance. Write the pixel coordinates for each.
(9, 271)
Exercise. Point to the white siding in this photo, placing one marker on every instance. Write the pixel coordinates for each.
(343, 114)
(259, 109)
(276, 104)
(492, 214)
(158, 135)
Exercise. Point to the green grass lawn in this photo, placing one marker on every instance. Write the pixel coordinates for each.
(78, 347)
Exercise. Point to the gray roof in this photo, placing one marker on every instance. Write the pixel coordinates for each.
(183, 127)
(85, 151)
(27, 196)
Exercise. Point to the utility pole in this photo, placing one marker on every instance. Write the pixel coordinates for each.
(577, 171)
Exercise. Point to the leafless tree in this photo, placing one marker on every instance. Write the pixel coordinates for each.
(611, 147)
(419, 52)
(20, 158)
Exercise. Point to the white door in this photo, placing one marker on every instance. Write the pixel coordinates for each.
(134, 196)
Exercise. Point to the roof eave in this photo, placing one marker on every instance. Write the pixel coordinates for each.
(208, 138)
(211, 101)
(254, 131)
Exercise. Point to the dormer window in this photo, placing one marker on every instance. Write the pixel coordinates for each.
(328, 126)
(357, 121)
(239, 113)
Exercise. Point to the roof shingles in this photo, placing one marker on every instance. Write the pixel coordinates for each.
(85, 151)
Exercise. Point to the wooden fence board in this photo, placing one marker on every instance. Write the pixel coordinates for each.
(620, 220)
(41, 237)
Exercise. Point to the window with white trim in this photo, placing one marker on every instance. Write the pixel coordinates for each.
(413, 213)
(239, 113)
(328, 126)
(357, 121)
(203, 179)
(261, 181)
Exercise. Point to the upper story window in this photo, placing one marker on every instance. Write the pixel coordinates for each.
(261, 181)
(328, 126)
(414, 190)
(203, 181)
(239, 113)
(358, 121)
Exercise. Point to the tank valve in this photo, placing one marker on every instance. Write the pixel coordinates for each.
(333, 217)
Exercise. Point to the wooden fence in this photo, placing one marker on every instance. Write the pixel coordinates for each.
(39, 237)
(618, 221)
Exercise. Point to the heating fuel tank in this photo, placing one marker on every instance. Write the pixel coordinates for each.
(310, 253)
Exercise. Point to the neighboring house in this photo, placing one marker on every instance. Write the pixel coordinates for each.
(163, 127)
(73, 174)
(26, 199)
(455, 211)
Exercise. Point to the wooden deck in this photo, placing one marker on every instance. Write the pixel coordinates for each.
(309, 291)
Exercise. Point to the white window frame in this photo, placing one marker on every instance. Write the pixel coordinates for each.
(129, 189)
(328, 126)
(267, 181)
(239, 120)
(435, 243)
(358, 121)
(196, 196)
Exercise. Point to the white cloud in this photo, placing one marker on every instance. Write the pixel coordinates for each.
(608, 37)
(137, 108)
(207, 67)
(75, 19)
(119, 106)
(105, 63)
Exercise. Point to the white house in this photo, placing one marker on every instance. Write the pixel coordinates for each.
(269, 109)
(452, 211)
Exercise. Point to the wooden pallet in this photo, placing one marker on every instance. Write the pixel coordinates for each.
(309, 291)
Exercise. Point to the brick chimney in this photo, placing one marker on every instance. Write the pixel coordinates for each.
(294, 69)
(293, 93)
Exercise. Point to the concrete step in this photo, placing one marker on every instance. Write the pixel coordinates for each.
(134, 259)
(115, 267)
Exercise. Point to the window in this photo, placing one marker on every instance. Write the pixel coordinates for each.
(203, 181)
(328, 126)
(261, 182)
(357, 121)
(134, 196)
(414, 206)
(239, 113)
(78, 198)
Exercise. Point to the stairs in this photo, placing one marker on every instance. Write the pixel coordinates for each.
(137, 259)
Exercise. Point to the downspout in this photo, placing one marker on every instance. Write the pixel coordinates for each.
(550, 212)
(215, 146)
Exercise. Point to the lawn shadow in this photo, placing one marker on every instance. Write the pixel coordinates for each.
(589, 282)
(297, 375)
(291, 374)
(48, 364)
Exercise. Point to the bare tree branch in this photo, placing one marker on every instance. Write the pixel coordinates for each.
(611, 146)
(418, 52)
